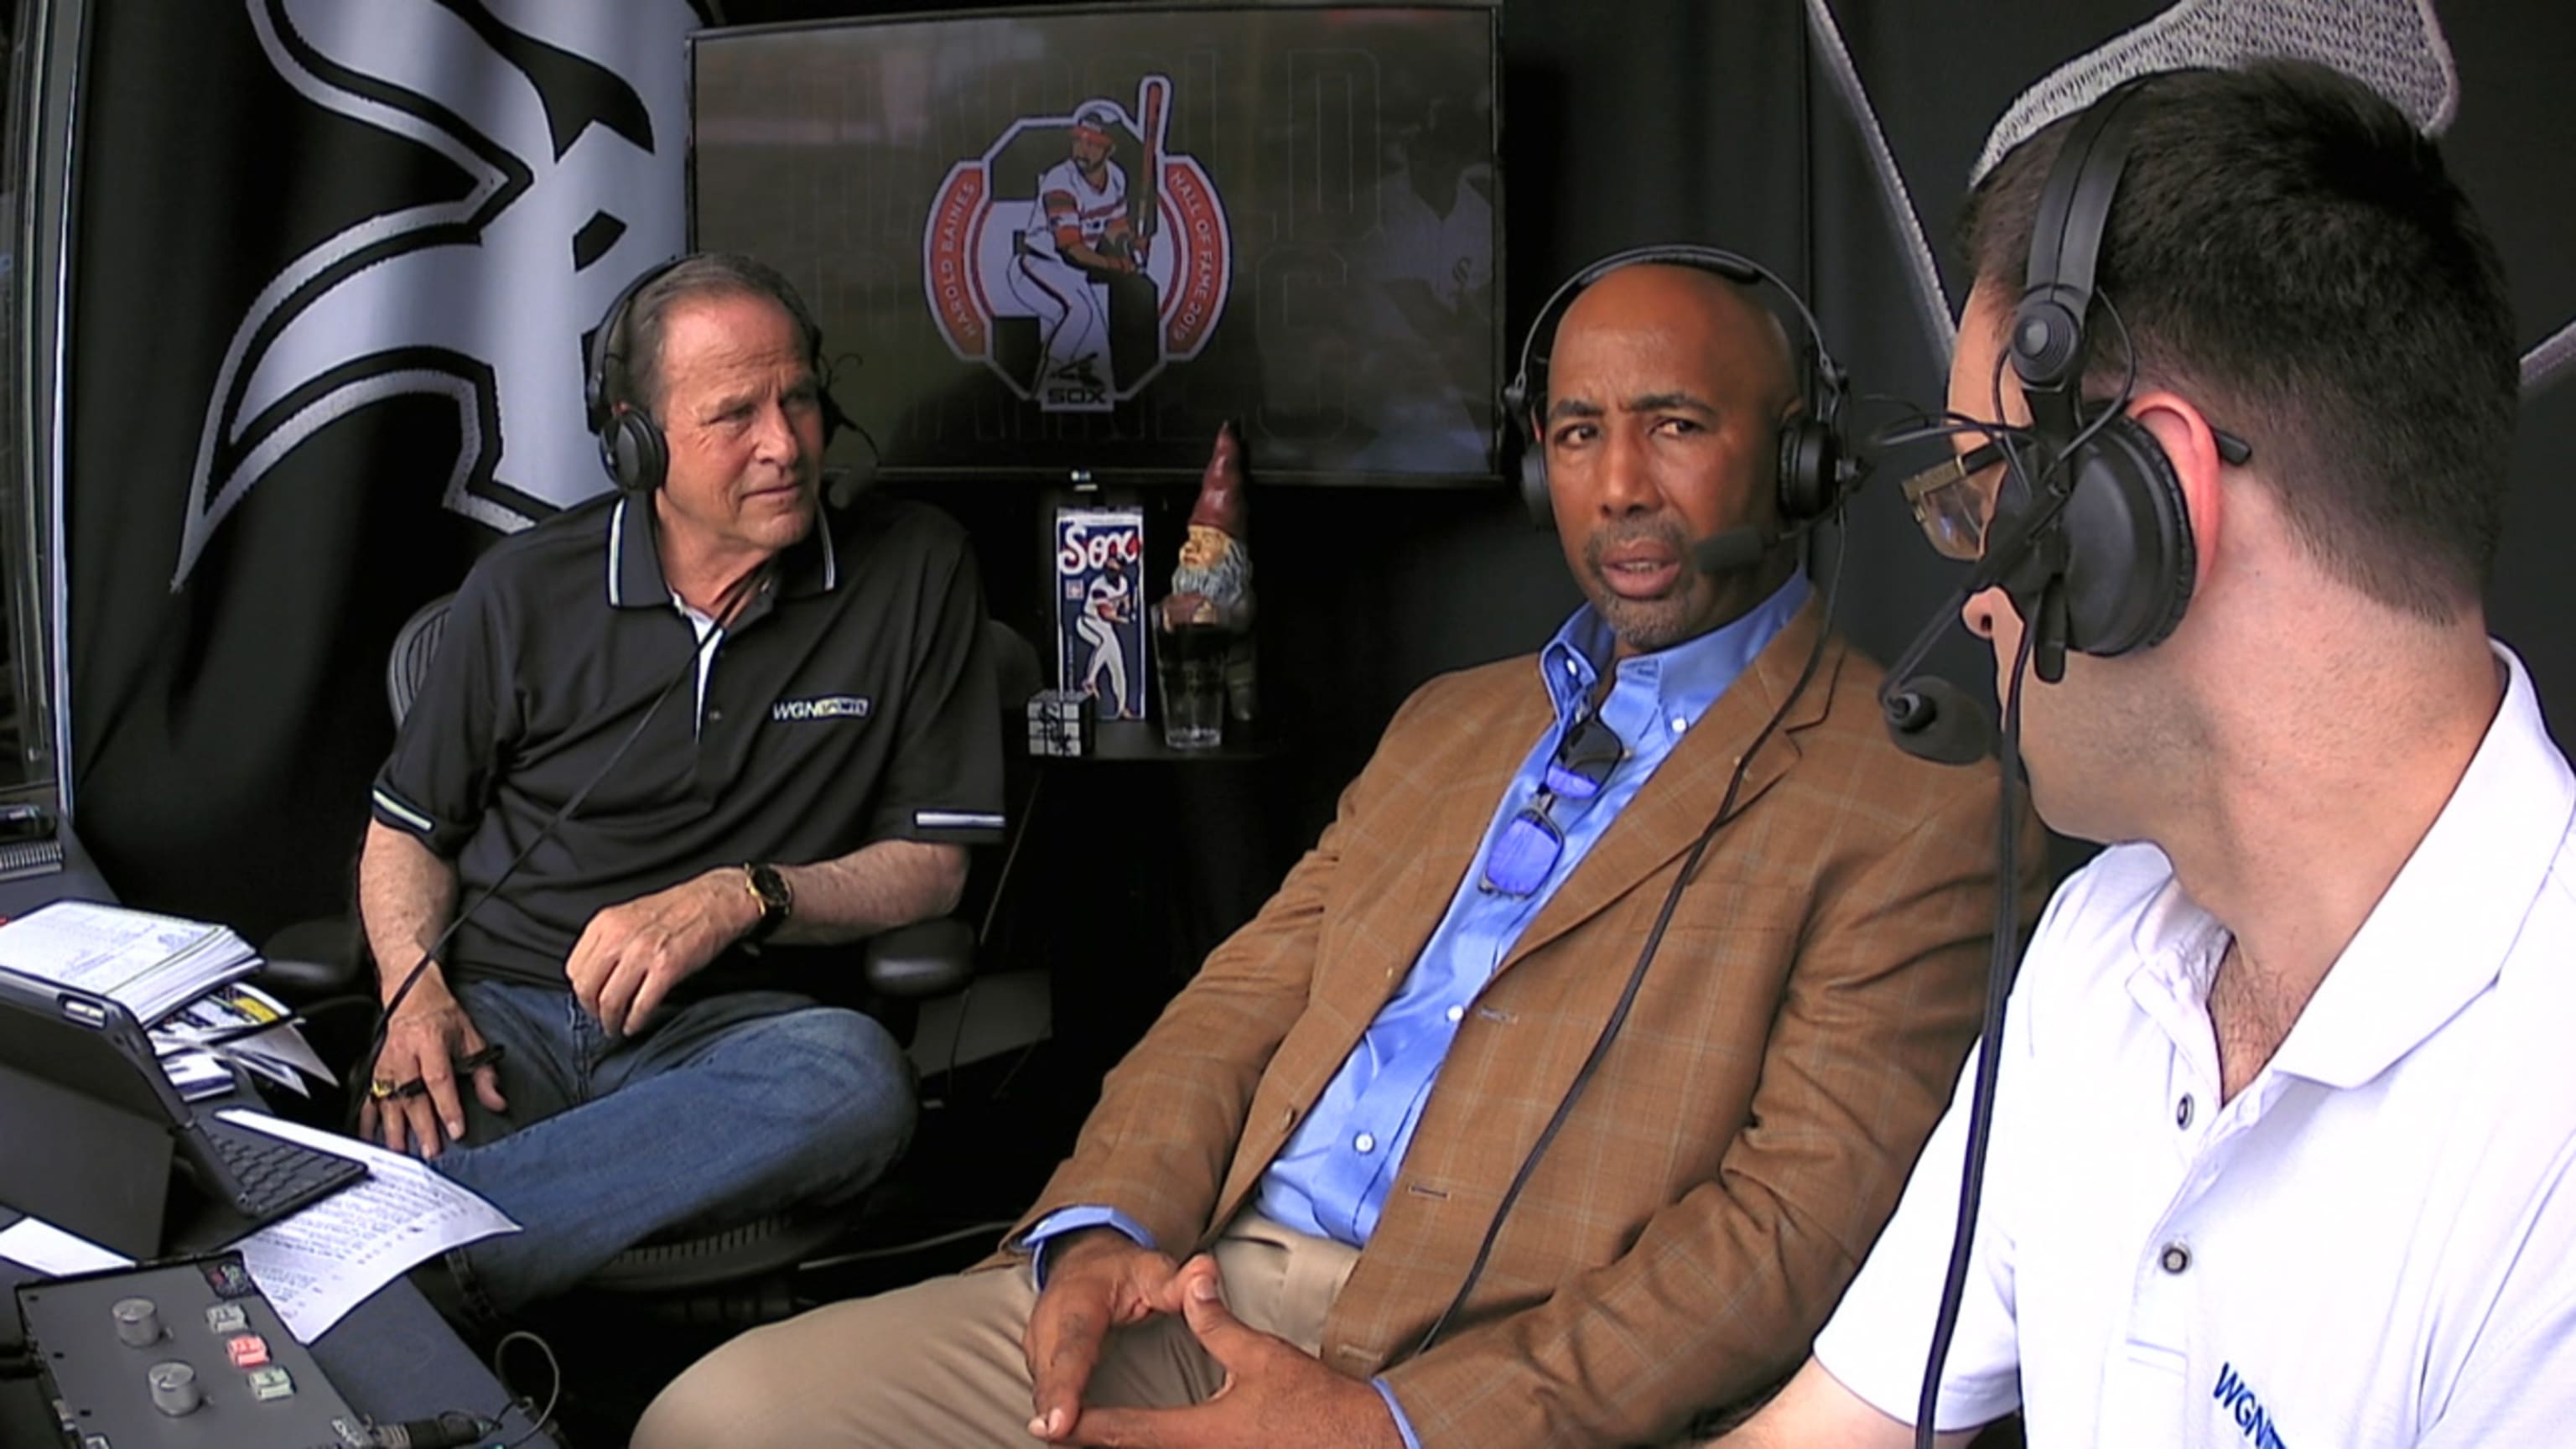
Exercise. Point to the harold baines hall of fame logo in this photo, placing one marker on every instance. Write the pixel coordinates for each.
(1116, 251)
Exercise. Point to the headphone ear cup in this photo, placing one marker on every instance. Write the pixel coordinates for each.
(2131, 560)
(635, 453)
(1810, 462)
(1533, 464)
(1542, 510)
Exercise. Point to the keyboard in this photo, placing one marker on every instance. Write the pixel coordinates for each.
(271, 1176)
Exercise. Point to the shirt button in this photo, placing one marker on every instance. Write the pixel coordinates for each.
(1680, 724)
(1364, 1143)
(2175, 1258)
(1456, 1013)
(2182, 1111)
(715, 716)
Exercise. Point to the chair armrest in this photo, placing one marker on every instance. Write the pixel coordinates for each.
(313, 959)
(304, 980)
(927, 958)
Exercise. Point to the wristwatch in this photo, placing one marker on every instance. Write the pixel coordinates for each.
(777, 902)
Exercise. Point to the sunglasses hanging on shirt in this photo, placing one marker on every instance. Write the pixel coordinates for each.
(1531, 843)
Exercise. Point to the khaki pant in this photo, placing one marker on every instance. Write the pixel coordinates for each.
(938, 1365)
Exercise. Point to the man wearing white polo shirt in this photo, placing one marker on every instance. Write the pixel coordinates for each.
(2281, 1155)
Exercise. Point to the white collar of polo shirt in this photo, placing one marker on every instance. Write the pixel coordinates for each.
(2437, 937)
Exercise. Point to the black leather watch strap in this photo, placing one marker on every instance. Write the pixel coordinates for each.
(777, 901)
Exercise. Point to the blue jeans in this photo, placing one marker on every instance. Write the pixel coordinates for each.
(724, 1111)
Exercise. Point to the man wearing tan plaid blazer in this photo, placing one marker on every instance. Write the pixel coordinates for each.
(1723, 1168)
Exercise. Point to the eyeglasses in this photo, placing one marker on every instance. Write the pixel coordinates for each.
(1955, 509)
(1531, 844)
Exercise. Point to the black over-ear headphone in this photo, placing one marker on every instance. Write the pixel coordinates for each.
(1814, 468)
(2128, 562)
(632, 446)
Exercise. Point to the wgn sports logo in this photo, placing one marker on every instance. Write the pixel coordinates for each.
(2236, 1399)
(562, 128)
(829, 706)
(1082, 224)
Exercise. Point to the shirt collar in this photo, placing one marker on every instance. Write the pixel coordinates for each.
(2441, 932)
(1686, 678)
(811, 565)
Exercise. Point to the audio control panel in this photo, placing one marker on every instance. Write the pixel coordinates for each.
(184, 1355)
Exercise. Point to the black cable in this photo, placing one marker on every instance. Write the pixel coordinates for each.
(384, 1021)
(1645, 957)
(1010, 858)
(453, 1429)
(2048, 505)
(2000, 970)
(2007, 933)
(554, 1395)
(1003, 1086)
(2047, 502)
(993, 1229)
(838, 416)
(298, 1017)
(992, 912)
(1922, 426)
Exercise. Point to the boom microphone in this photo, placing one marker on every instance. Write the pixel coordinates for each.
(1927, 716)
(1932, 719)
(1737, 549)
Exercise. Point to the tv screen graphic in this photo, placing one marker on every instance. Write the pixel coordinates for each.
(1079, 240)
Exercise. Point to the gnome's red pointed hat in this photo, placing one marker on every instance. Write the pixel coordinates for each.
(1221, 497)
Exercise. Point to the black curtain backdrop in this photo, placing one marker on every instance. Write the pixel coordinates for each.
(224, 733)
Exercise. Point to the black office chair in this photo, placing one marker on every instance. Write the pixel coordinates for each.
(327, 956)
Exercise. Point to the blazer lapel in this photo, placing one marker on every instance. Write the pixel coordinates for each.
(1670, 812)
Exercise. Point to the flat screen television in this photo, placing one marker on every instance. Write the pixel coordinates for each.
(1045, 243)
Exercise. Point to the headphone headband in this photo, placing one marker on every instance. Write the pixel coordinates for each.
(1825, 390)
(606, 344)
(2111, 561)
(2074, 212)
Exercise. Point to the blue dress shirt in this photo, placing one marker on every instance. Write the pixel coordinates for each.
(1332, 1177)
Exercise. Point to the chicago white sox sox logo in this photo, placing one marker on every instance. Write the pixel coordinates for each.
(566, 124)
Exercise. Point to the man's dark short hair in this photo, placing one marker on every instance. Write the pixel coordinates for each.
(2289, 252)
(637, 376)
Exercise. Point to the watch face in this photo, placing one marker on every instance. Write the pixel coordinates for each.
(775, 899)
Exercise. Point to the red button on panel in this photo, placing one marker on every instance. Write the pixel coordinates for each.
(248, 1351)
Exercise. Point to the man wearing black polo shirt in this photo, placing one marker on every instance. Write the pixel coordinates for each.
(719, 725)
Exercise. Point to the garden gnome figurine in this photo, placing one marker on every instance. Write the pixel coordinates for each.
(1212, 585)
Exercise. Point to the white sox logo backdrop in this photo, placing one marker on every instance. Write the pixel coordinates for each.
(1100, 230)
(567, 121)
